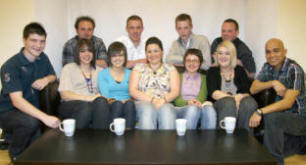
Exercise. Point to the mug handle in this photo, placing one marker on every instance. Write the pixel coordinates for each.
(111, 127)
(222, 124)
(60, 127)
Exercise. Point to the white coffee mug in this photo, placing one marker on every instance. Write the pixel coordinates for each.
(118, 126)
(229, 124)
(181, 126)
(68, 127)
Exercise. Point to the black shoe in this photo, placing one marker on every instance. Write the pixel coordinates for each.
(4, 145)
(302, 151)
(12, 157)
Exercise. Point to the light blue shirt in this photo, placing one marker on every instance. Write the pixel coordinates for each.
(110, 88)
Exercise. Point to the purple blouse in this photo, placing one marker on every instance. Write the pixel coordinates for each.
(190, 86)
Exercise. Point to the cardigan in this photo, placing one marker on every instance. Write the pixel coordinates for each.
(201, 96)
(241, 81)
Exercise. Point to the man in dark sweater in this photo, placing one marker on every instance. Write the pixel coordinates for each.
(230, 31)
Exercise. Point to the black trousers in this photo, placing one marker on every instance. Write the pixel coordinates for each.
(23, 128)
(95, 114)
(125, 110)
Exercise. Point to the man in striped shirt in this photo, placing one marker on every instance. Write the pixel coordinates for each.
(285, 119)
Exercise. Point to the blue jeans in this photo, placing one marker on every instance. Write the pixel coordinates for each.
(227, 107)
(95, 114)
(150, 118)
(208, 117)
(24, 129)
(189, 112)
(125, 110)
(284, 134)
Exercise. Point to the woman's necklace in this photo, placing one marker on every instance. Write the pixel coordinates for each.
(229, 76)
(88, 81)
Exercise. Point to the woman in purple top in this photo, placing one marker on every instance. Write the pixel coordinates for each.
(189, 104)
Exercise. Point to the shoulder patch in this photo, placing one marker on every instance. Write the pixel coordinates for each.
(7, 77)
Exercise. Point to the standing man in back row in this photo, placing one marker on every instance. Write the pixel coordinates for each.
(84, 27)
(186, 40)
(133, 42)
(230, 31)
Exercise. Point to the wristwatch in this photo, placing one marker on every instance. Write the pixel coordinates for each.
(259, 112)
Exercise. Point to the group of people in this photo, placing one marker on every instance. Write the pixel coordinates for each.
(131, 80)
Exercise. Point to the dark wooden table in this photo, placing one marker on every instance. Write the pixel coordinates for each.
(146, 147)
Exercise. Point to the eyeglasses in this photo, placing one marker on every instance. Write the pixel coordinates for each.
(193, 61)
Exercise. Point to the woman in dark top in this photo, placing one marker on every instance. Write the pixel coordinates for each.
(228, 87)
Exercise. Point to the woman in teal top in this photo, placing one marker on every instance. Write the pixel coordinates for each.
(113, 83)
(189, 104)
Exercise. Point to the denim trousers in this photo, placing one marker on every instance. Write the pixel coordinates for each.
(95, 114)
(208, 117)
(227, 107)
(193, 114)
(23, 127)
(284, 134)
(150, 118)
(125, 110)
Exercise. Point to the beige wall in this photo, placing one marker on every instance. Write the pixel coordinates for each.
(11, 30)
(291, 28)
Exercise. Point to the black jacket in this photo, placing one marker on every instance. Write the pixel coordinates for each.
(213, 80)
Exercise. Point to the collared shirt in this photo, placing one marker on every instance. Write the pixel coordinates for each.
(178, 49)
(191, 86)
(243, 53)
(70, 46)
(18, 74)
(133, 53)
(291, 75)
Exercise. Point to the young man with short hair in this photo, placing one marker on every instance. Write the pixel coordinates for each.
(23, 76)
(186, 40)
(133, 42)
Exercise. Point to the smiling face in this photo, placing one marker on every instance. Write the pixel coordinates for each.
(192, 63)
(154, 54)
(85, 29)
(275, 53)
(86, 56)
(134, 29)
(34, 45)
(229, 31)
(117, 60)
(224, 57)
(184, 29)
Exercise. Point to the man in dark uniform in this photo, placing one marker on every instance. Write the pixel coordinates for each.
(22, 77)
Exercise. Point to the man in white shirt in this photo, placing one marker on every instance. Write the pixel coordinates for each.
(134, 44)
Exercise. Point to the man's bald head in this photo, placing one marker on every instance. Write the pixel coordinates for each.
(275, 41)
(275, 53)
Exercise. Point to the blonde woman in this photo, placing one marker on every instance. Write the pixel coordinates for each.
(228, 87)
